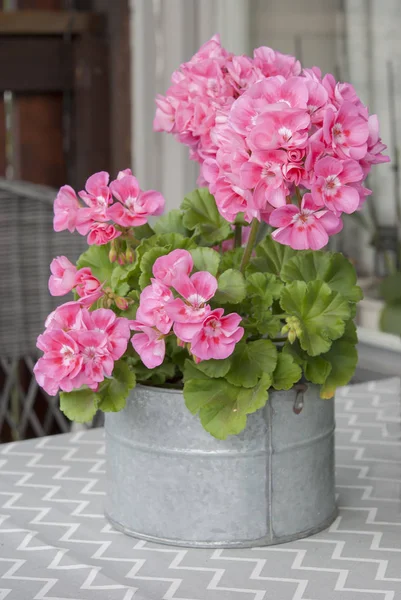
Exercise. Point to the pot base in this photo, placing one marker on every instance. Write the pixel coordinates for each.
(266, 541)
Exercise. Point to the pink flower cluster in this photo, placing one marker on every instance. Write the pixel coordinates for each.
(209, 333)
(80, 347)
(263, 129)
(122, 202)
(65, 277)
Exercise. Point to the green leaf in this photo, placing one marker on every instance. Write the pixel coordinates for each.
(343, 358)
(286, 373)
(390, 288)
(215, 368)
(79, 405)
(320, 313)
(317, 369)
(231, 259)
(97, 258)
(191, 371)
(206, 259)
(232, 287)
(113, 392)
(264, 285)
(271, 256)
(333, 268)
(222, 407)
(250, 361)
(390, 319)
(171, 222)
(143, 232)
(202, 217)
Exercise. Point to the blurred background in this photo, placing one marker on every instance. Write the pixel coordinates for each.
(77, 85)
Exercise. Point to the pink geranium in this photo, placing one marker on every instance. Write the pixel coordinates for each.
(187, 315)
(168, 268)
(217, 335)
(66, 208)
(304, 227)
(134, 206)
(79, 348)
(149, 344)
(152, 308)
(88, 287)
(346, 131)
(102, 233)
(331, 188)
(62, 279)
(97, 195)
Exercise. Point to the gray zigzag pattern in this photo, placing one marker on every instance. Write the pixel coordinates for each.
(56, 545)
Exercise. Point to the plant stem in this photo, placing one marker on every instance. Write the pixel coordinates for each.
(238, 236)
(250, 244)
(298, 195)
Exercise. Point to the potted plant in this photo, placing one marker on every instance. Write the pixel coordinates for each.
(214, 339)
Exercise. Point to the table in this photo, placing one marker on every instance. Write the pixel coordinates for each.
(55, 543)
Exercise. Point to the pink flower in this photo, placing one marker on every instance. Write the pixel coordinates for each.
(66, 317)
(66, 207)
(374, 154)
(124, 173)
(305, 227)
(271, 62)
(264, 172)
(152, 307)
(347, 132)
(62, 279)
(102, 233)
(79, 347)
(134, 206)
(150, 345)
(286, 128)
(168, 268)
(331, 189)
(61, 362)
(96, 359)
(88, 288)
(97, 195)
(217, 335)
(187, 316)
(117, 329)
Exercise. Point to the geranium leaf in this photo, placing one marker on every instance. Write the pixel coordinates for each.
(215, 368)
(271, 256)
(113, 391)
(97, 258)
(250, 361)
(232, 287)
(202, 217)
(79, 405)
(222, 407)
(171, 222)
(343, 358)
(333, 268)
(286, 373)
(206, 259)
(231, 259)
(320, 314)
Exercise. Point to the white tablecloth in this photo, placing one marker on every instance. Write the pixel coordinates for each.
(55, 543)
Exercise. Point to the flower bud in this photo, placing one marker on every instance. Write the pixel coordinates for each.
(129, 255)
(121, 303)
(112, 254)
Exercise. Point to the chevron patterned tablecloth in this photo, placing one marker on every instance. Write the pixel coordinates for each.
(55, 543)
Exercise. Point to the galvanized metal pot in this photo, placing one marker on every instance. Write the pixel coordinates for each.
(169, 481)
